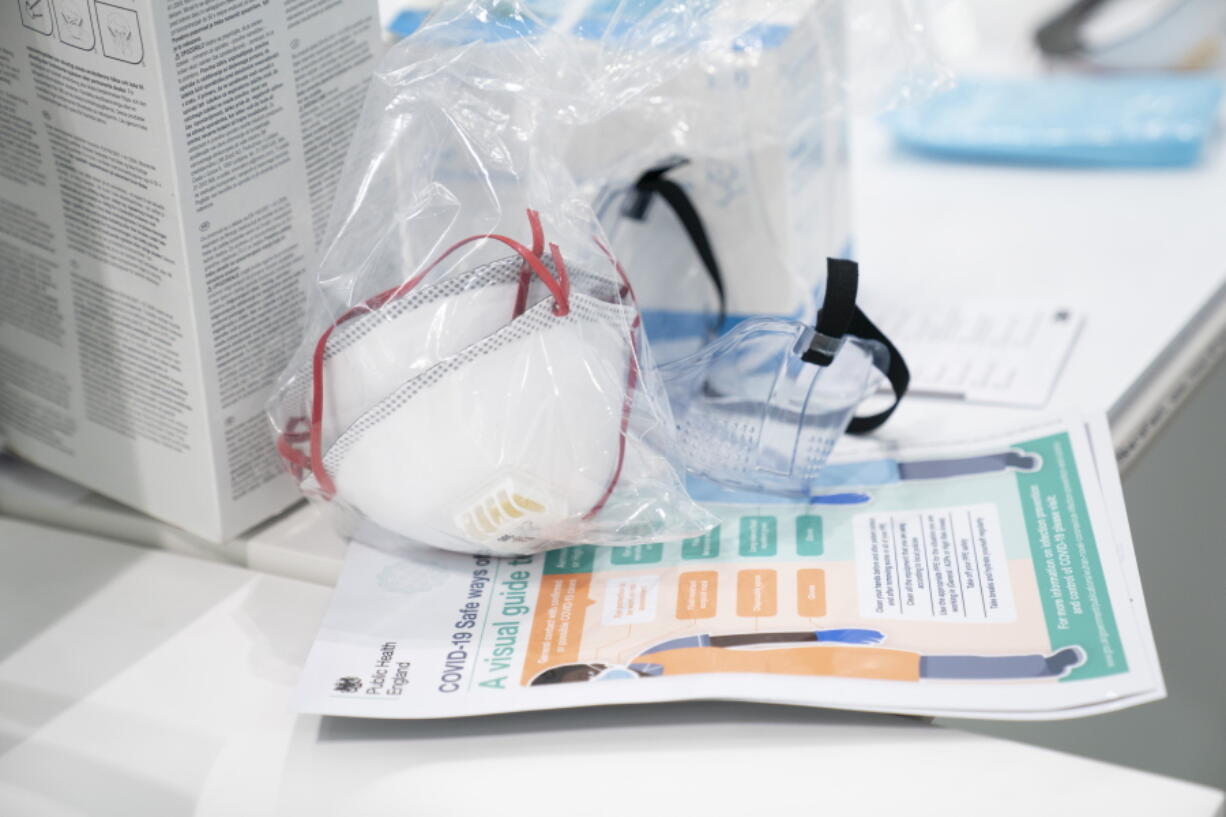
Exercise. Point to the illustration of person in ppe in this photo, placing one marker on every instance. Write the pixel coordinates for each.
(859, 477)
(846, 653)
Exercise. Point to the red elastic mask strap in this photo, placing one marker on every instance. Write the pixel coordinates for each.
(558, 287)
(632, 382)
(617, 265)
(291, 436)
(561, 304)
(525, 275)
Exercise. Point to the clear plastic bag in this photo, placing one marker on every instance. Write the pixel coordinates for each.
(504, 407)
(476, 374)
(751, 137)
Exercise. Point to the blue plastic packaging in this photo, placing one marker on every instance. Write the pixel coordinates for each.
(1150, 120)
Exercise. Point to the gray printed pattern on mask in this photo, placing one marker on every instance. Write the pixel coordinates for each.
(505, 270)
(502, 271)
(583, 310)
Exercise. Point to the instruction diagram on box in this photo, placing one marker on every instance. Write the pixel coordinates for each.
(121, 39)
(36, 15)
(76, 28)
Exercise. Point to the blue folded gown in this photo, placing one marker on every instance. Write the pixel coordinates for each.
(1139, 120)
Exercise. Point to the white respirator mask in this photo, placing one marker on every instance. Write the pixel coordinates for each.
(488, 411)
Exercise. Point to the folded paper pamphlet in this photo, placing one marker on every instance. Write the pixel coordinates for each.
(993, 578)
(983, 350)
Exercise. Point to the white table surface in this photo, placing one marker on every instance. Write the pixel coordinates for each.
(137, 682)
(1141, 252)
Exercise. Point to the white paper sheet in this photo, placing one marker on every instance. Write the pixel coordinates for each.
(983, 351)
(1018, 557)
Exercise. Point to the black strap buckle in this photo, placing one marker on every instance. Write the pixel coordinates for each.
(839, 317)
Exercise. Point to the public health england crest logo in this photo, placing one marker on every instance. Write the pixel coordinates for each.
(348, 684)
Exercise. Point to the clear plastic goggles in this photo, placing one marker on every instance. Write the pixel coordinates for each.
(761, 408)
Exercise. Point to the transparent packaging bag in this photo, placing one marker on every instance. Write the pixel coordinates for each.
(724, 190)
(475, 374)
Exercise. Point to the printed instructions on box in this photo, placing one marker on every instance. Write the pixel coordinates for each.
(166, 169)
(982, 580)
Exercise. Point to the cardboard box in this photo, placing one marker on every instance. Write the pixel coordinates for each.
(166, 171)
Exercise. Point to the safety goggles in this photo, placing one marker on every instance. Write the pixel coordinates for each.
(761, 408)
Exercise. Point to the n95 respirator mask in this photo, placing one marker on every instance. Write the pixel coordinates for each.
(497, 410)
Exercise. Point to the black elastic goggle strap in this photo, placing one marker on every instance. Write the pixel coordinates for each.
(838, 309)
(839, 316)
(653, 183)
